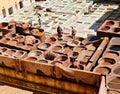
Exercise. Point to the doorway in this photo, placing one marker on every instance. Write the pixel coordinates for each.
(10, 10)
(37, 0)
(16, 6)
(21, 4)
(4, 13)
(30, 1)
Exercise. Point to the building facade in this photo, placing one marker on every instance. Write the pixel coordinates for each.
(7, 7)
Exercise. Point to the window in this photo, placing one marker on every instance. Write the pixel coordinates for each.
(10, 10)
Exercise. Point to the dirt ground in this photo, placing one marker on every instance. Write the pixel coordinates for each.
(5, 89)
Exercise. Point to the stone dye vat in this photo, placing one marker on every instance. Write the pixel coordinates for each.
(51, 61)
(110, 62)
(110, 28)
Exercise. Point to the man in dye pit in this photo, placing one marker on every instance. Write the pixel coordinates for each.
(59, 32)
(30, 22)
(73, 32)
(39, 21)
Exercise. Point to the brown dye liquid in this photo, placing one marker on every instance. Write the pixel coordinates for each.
(55, 62)
(49, 56)
(114, 92)
(10, 52)
(117, 30)
(3, 49)
(75, 54)
(28, 47)
(78, 49)
(51, 40)
(111, 54)
(115, 83)
(20, 38)
(67, 50)
(110, 23)
(91, 48)
(106, 63)
(81, 67)
(20, 44)
(31, 58)
(12, 42)
(43, 61)
(35, 53)
(38, 33)
(85, 59)
(117, 71)
(76, 64)
(19, 54)
(63, 58)
(105, 28)
(44, 46)
(5, 40)
(56, 48)
(102, 70)
(75, 42)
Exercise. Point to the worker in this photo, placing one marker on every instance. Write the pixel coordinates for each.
(36, 11)
(39, 21)
(39, 15)
(59, 32)
(30, 22)
(73, 32)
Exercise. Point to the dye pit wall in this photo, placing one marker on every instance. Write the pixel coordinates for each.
(25, 52)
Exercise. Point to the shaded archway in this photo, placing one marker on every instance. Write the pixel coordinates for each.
(16, 6)
(37, 0)
(10, 10)
(4, 12)
(30, 1)
(21, 4)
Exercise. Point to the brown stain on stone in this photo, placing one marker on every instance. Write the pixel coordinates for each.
(114, 83)
(31, 58)
(102, 70)
(56, 48)
(117, 71)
